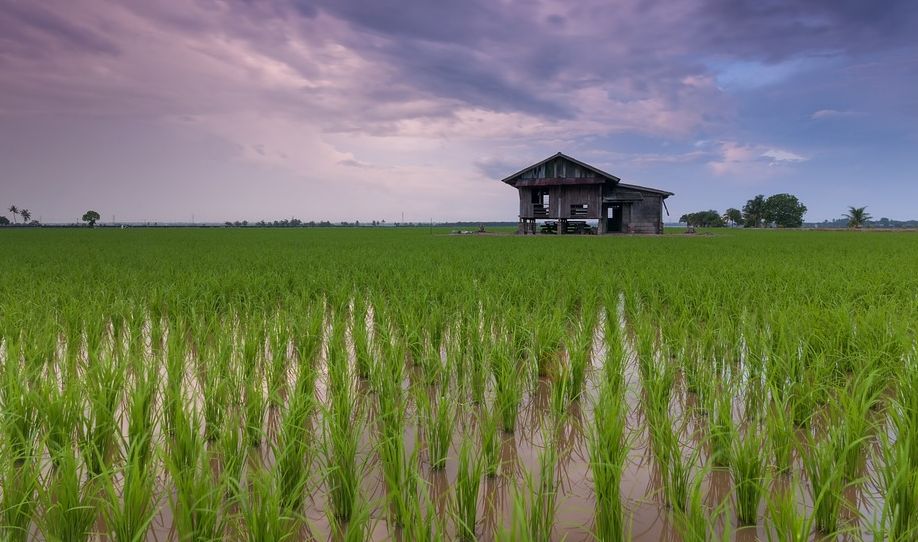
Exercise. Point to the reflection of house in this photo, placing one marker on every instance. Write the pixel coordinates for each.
(566, 190)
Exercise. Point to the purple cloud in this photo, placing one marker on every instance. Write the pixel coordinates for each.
(311, 97)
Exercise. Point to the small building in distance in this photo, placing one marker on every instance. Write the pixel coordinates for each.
(566, 193)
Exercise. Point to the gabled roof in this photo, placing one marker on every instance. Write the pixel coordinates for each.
(607, 177)
(595, 170)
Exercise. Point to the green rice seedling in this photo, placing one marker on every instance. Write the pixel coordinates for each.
(129, 512)
(544, 493)
(579, 350)
(693, 522)
(264, 518)
(277, 363)
(658, 388)
(465, 496)
(61, 415)
(18, 498)
(787, 521)
(360, 333)
(615, 358)
(196, 503)
(823, 466)
(21, 420)
(307, 340)
(141, 414)
(360, 526)
(508, 387)
(547, 339)
(457, 357)
(781, 435)
(675, 469)
(342, 431)
(439, 421)
(342, 470)
(68, 501)
(646, 346)
(232, 453)
(255, 407)
(215, 388)
(185, 443)
(519, 529)
(397, 464)
(898, 481)
(433, 371)
(721, 429)
(106, 378)
(696, 524)
(401, 473)
(748, 467)
(478, 373)
(292, 452)
(489, 441)
(855, 407)
(425, 523)
(560, 394)
(608, 450)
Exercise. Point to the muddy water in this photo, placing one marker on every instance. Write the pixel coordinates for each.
(648, 516)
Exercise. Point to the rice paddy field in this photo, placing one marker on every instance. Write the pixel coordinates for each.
(406, 384)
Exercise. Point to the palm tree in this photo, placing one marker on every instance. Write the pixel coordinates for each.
(15, 211)
(857, 217)
(26, 215)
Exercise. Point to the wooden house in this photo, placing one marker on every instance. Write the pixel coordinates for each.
(566, 193)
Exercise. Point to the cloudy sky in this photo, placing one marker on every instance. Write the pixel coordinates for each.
(364, 109)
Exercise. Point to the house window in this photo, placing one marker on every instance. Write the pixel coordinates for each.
(580, 209)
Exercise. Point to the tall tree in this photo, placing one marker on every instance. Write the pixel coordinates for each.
(784, 211)
(91, 217)
(754, 212)
(857, 217)
(733, 216)
(26, 215)
(15, 211)
(703, 219)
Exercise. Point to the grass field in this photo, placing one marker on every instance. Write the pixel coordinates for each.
(257, 384)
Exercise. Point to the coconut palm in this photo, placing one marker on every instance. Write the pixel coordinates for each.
(26, 215)
(857, 216)
(15, 211)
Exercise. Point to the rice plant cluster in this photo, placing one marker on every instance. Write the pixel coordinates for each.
(398, 384)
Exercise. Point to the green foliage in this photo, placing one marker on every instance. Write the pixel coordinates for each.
(703, 219)
(240, 377)
(91, 217)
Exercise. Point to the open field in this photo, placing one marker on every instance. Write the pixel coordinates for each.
(383, 384)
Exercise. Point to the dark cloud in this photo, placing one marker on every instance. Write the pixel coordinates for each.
(778, 29)
(21, 20)
(522, 56)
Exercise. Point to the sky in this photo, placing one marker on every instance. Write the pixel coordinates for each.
(364, 110)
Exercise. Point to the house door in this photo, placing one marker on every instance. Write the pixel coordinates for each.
(614, 220)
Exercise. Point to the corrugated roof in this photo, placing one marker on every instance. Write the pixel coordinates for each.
(605, 177)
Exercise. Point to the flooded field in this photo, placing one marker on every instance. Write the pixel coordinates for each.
(334, 385)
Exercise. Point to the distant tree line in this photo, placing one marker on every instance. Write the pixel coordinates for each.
(297, 223)
(778, 210)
